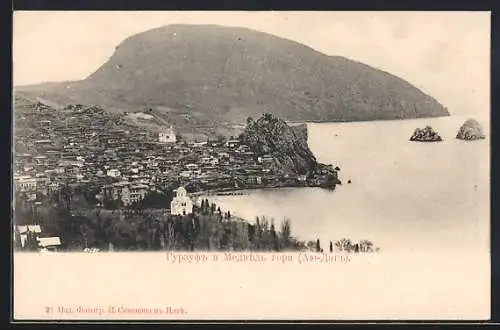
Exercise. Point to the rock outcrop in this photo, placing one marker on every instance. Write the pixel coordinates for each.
(471, 130)
(287, 146)
(426, 134)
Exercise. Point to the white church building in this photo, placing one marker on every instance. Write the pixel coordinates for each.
(181, 204)
(167, 136)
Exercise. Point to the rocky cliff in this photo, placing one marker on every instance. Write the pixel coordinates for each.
(471, 130)
(287, 146)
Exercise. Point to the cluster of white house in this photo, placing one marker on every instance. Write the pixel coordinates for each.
(44, 243)
(129, 193)
(126, 191)
(181, 205)
(167, 136)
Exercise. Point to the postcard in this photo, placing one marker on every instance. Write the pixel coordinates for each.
(177, 165)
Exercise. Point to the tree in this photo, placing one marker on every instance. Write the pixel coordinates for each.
(221, 139)
(17, 240)
(100, 230)
(243, 236)
(285, 234)
(171, 238)
(65, 196)
(204, 206)
(265, 239)
(257, 234)
(274, 237)
(311, 245)
(155, 200)
(365, 246)
(344, 244)
(123, 235)
(218, 235)
(157, 242)
(235, 236)
(318, 245)
(331, 246)
(31, 243)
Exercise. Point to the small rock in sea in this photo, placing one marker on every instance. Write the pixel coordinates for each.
(426, 134)
(471, 130)
(348, 181)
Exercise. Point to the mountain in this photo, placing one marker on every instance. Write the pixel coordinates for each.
(287, 147)
(197, 76)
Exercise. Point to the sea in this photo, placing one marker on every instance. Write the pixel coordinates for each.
(403, 195)
(425, 205)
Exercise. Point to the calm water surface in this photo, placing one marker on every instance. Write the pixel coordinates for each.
(403, 195)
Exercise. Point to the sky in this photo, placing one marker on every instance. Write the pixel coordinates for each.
(445, 54)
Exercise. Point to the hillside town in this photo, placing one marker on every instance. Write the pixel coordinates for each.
(83, 161)
(86, 146)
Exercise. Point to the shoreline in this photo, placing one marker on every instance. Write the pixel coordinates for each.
(365, 121)
(246, 191)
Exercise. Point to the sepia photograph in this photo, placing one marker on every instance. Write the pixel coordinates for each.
(251, 165)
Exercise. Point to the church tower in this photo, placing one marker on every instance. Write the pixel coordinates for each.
(181, 204)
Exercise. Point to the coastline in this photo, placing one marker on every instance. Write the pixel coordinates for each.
(292, 122)
(248, 190)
